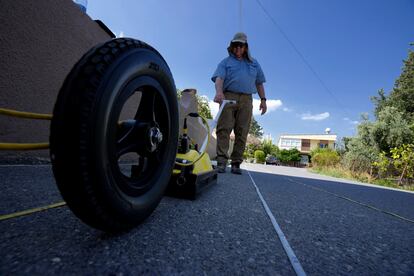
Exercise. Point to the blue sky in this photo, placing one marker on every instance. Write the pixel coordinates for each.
(351, 50)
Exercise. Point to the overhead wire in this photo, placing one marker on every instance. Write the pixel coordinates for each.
(310, 67)
(240, 15)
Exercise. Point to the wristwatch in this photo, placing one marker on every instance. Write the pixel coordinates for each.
(263, 99)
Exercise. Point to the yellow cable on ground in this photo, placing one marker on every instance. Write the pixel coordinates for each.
(31, 211)
(23, 146)
(28, 115)
(22, 114)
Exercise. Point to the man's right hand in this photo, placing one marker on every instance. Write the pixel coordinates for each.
(219, 90)
(219, 97)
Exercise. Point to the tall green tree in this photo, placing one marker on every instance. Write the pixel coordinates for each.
(255, 129)
(203, 107)
(402, 95)
(269, 148)
(390, 130)
(394, 113)
(360, 156)
(393, 127)
(379, 101)
(343, 145)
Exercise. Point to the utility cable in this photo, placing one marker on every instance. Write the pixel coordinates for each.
(31, 211)
(301, 56)
(240, 15)
(26, 115)
(23, 146)
(353, 201)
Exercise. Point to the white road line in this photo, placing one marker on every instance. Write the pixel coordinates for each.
(289, 251)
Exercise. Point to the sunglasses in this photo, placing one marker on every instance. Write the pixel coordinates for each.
(238, 44)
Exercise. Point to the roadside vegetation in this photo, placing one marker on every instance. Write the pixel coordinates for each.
(383, 150)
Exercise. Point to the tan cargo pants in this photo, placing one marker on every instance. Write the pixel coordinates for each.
(235, 117)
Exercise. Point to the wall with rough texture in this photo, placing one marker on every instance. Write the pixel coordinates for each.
(40, 41)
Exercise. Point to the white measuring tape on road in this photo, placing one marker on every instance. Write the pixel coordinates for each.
(286, 246)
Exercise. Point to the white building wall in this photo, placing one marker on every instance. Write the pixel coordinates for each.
(290, 143)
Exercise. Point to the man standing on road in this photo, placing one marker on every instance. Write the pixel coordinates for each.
(237, 77)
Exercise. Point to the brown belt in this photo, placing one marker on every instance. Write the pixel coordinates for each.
(234, 92)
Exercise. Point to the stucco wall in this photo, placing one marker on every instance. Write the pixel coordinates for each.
(40, 41)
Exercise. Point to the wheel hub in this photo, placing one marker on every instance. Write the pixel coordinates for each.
(155, 138)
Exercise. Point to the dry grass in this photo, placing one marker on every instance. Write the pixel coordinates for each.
(340, 172)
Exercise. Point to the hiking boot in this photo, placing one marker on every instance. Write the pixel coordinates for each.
(235, 168)
(221, 167)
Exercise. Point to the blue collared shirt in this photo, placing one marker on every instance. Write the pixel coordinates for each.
(239, 75)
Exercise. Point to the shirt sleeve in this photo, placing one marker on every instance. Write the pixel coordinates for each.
(260, 75)
(220, 71)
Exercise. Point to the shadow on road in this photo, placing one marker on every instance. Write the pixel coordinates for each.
(224, 231)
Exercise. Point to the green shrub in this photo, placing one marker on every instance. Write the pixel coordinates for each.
(360, 156)
(260, 156)
(286, 156)
(247, 155)
(325, 158)
(403, 160)
(269, 148)
(251, 148)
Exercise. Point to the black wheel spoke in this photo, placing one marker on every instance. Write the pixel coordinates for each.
(156, 157)
(146, 109)
(125, 138)
(137, 170)
(129, 138)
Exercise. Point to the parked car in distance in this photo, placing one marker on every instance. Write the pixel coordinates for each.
(272, 160)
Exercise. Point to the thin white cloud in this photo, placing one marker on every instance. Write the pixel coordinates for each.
(272, 105)
(121, 34)
(315, 117)
(287, 109)
(350, 121)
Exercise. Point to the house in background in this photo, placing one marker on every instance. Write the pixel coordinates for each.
(305, 143)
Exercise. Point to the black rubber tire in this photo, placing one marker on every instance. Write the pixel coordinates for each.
(86, 140)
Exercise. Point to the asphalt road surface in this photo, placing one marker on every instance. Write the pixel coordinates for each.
(332, 228)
